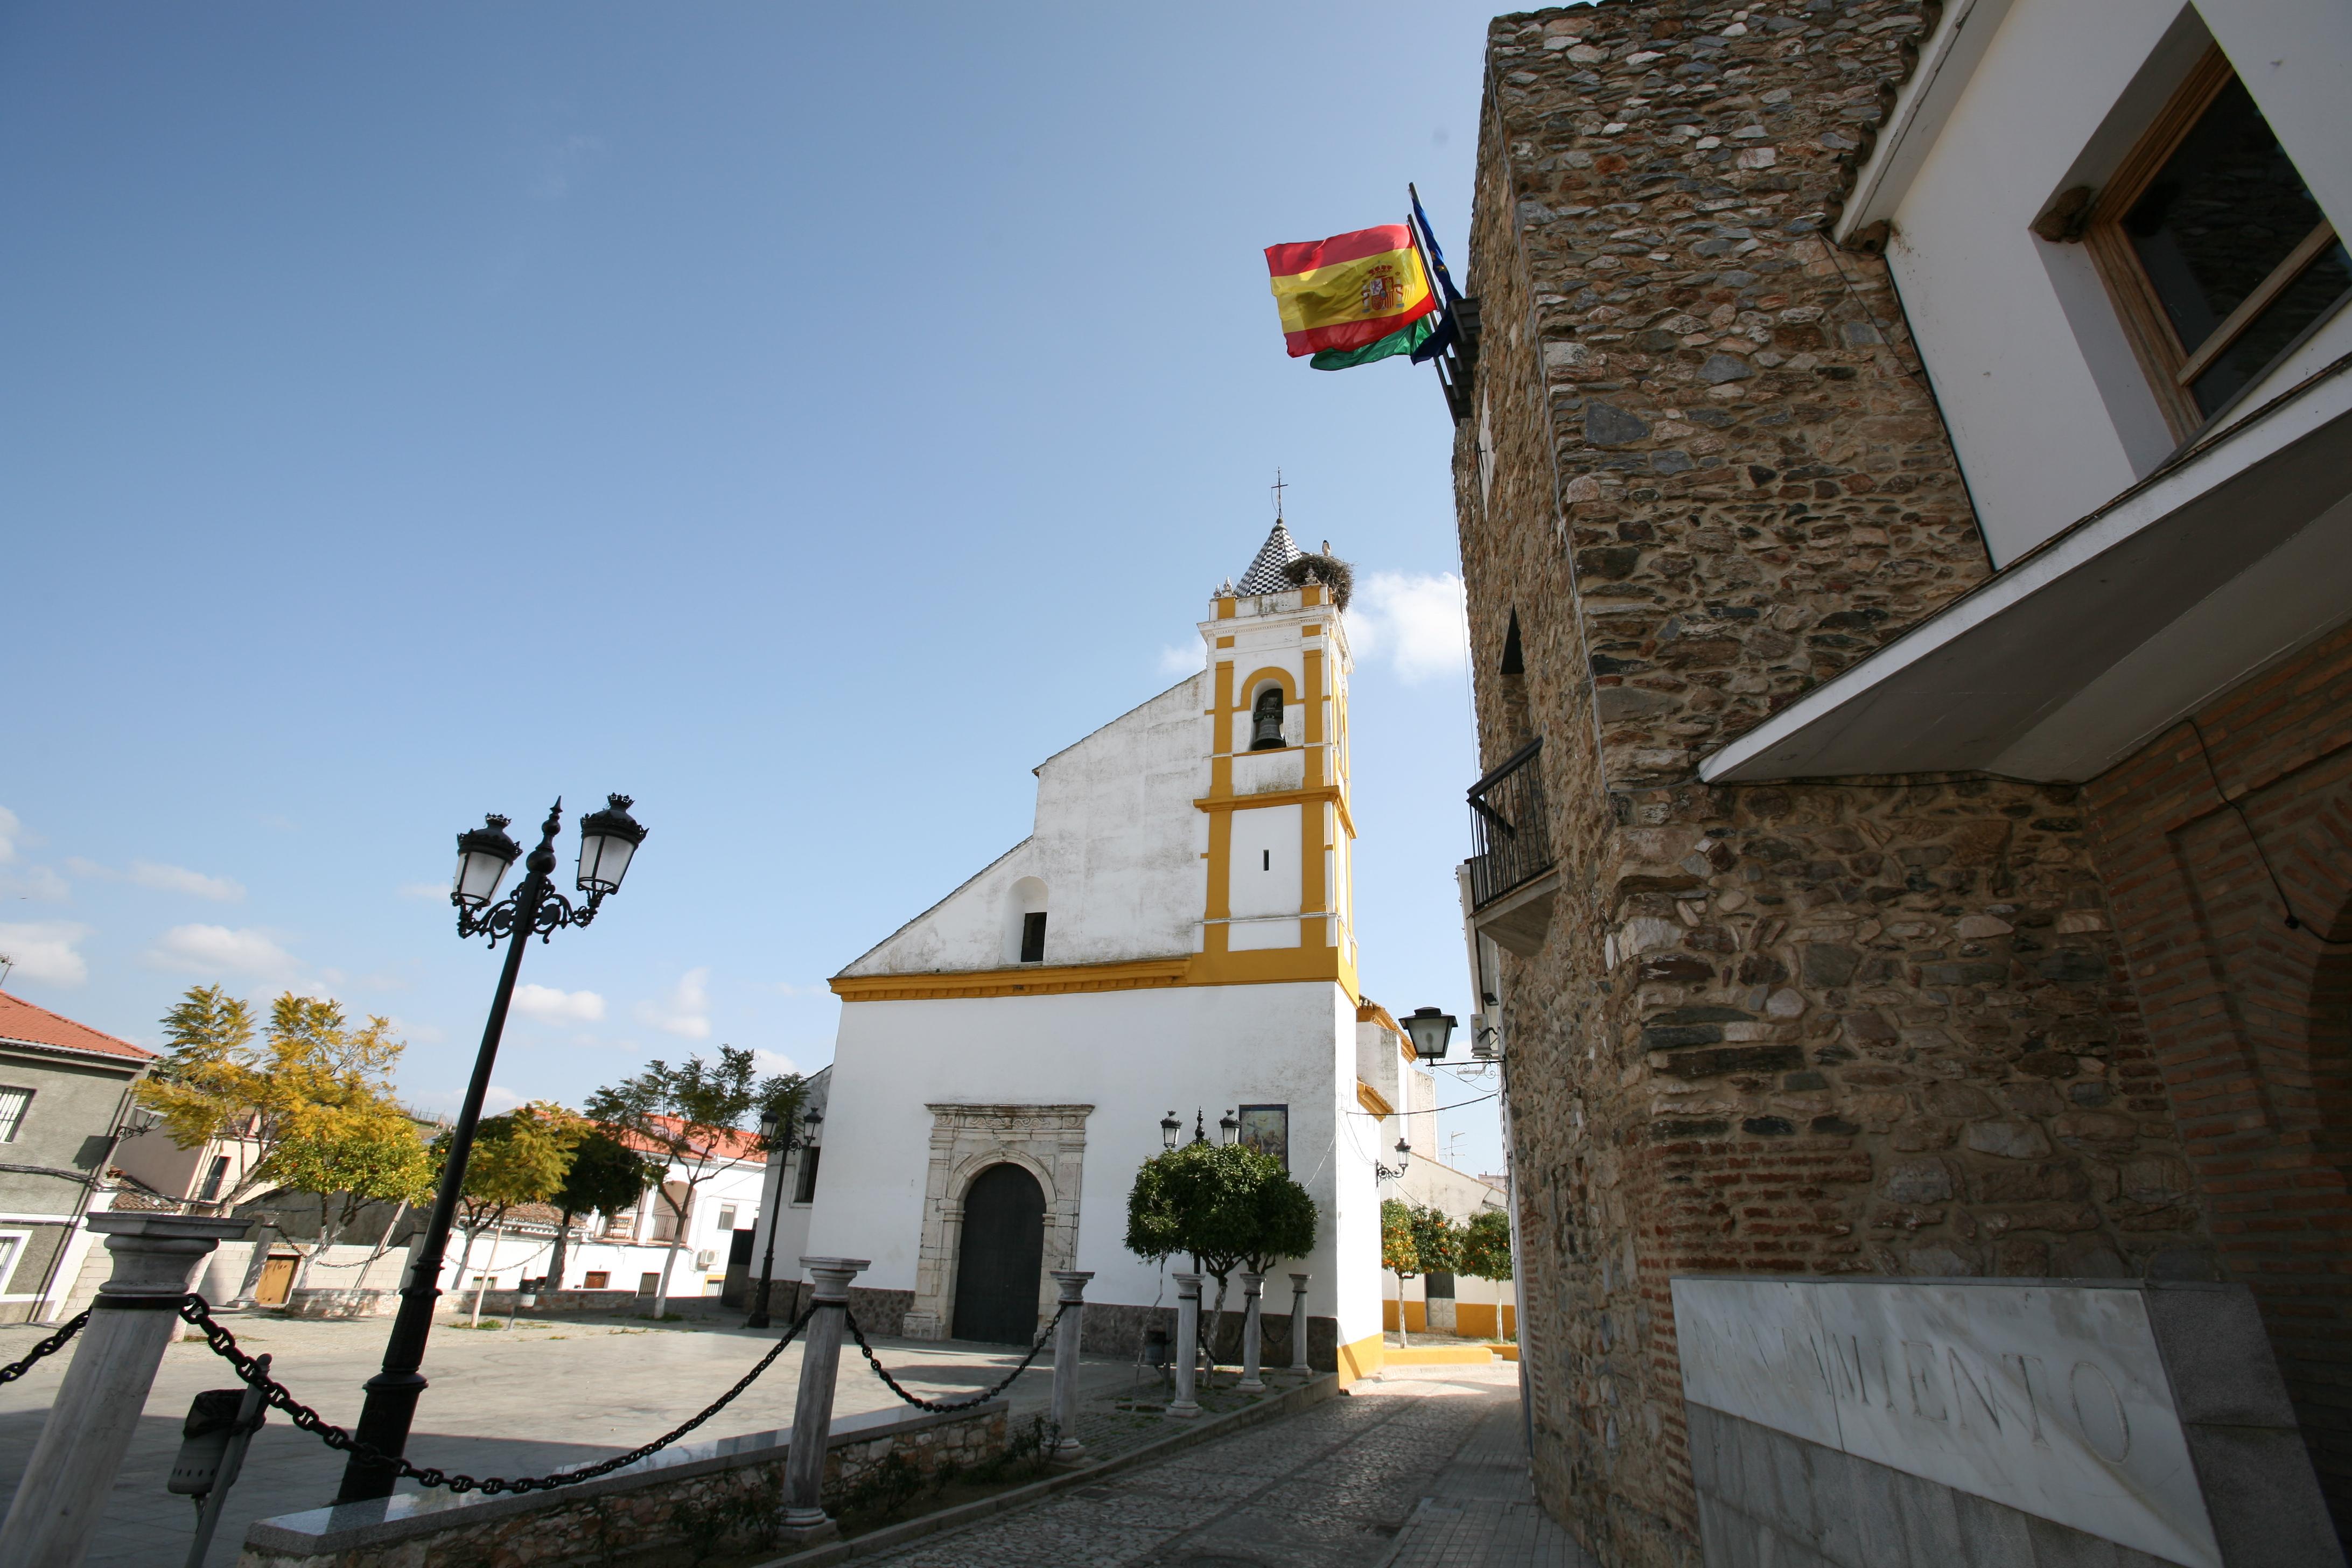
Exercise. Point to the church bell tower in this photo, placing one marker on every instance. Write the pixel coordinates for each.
(1279, 902)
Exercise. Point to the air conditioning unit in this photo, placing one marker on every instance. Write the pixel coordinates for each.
(704, 1258)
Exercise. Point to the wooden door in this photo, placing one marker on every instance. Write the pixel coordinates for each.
(277, 1282)
(1003, 1252)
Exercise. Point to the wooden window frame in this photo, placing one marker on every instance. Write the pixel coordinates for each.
(2170, 365)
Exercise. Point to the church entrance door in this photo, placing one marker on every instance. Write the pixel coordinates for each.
(1003, 1255)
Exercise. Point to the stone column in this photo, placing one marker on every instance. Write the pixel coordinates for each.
(1253, 1294)
(70, 1477)
(804, 1517)
(1067, 1371)
(1299, 1325)
(1186, 1351)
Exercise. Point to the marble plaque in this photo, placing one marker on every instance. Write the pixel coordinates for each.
(2051, 1398)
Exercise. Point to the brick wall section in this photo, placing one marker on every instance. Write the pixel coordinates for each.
(2252, 1021)
(1862, 1027)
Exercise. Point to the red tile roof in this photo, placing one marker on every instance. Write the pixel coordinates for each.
(22, 1022)
(739, 1146)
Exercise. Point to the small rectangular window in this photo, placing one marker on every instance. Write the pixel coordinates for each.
(804, 1188)
(214, 1179)
(2219, 257)
(1033, 938)
(1265, 861)
(726, 1216)
(597, 1279)
(14, 1104)
(649, 1284)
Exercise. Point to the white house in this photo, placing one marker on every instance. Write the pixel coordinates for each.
(1173, 936)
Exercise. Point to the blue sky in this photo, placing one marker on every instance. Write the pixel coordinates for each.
(803, 420)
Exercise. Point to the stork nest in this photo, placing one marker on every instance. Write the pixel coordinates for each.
(1328, 570)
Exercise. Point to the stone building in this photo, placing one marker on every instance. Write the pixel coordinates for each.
(1904, 501)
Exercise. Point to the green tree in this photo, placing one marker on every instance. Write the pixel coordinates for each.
(518, 1158)
(352, 1158)
(605, 1178)
(1486, 1246)
(1416, 1239)
(1230, 1207)
(691, 1119)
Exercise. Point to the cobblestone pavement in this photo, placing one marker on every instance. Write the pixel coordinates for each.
(1340, 1486)
(553, 1393)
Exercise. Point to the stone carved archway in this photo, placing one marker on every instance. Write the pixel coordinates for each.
(1049, 1142)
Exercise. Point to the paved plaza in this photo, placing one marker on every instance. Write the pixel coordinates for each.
(1423, 1468)
(551, 1394)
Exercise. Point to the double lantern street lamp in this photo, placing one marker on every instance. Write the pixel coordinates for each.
(1429, 1029)
(803, 1136)
(608, 840)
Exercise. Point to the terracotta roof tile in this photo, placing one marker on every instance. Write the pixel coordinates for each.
(22, 1022)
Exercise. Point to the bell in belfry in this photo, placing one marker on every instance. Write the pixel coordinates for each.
(1265, 720)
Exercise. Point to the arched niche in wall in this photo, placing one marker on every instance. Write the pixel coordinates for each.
(1024, 922)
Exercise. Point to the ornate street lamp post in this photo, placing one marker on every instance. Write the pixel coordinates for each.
(1394, 1172)
(608, 838)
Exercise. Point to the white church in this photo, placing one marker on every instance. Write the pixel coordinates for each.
(1173, 935)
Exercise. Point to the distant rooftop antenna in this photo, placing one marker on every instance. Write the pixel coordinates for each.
(7, 963)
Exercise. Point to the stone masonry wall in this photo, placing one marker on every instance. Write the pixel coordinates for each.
(1841, 1026)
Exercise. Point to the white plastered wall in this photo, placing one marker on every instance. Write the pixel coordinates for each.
(2047, 406)
(1133, 1056)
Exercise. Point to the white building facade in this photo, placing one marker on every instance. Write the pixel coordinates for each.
(1175, 935)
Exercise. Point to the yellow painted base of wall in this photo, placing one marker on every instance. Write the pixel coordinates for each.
(1416, 1317)
(1441, 1355)
(1362, 1358)
(1509, 1352)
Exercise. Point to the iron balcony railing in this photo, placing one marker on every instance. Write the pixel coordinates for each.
(1509, 826)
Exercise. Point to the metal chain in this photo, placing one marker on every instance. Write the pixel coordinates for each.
(48, 1347)
(198, 1312)
(942, 1407)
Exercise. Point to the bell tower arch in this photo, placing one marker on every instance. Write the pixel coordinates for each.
(1279, 835)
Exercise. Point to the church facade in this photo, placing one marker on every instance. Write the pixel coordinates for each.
(1175, 935)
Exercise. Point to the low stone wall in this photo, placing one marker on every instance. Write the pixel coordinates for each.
(722, 1496)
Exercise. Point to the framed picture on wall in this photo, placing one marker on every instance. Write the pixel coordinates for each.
(1267, 1129)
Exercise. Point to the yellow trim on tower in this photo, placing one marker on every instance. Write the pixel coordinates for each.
(1224, 642)
(1226, 608)
(1369, 1099)
(1220, 804)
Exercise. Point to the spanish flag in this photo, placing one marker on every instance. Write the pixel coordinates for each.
(1353, 298)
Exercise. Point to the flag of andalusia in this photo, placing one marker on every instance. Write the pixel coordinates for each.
(1353, 298)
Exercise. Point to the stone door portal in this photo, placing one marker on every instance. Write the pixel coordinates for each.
(997, 1267)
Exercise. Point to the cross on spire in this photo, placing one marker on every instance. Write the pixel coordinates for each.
(1278, 487)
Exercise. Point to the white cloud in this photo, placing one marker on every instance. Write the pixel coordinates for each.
(163, 878)
(180, 879)
(685, 1011)
(39, 883)
(208, 949)
(773, 1062)
(548, 1004)
(10, 827)
(1413, 620)
(418, 1034)
(1181, 661)
(44, 950)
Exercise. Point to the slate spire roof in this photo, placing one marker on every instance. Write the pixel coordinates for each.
(1267, 573)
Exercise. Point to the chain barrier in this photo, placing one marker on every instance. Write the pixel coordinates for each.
(48, 1347)
(943, 1407)
(198, 1311)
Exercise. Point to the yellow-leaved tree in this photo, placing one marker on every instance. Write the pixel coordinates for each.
(307, 1108)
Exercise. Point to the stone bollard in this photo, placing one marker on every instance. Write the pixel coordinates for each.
(1067, 1371)
(1185, 1354)
(1298, 1324)
(804, 1518)
(1253, 1294)
(69, 1479)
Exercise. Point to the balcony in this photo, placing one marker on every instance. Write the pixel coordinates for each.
(1509, 878)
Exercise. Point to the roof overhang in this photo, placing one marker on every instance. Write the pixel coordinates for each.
(2235, 552)
(128, 1066)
